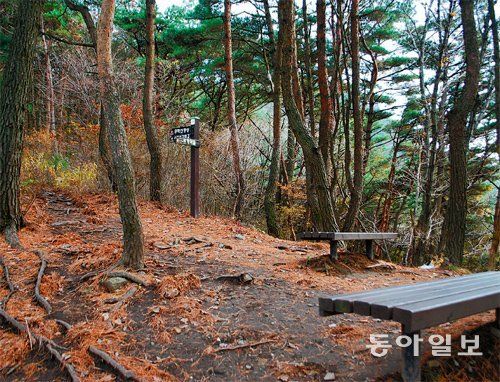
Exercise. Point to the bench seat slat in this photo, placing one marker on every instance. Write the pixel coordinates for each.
(381, 306)
(347, 235)
(365, 235)
(344, 303)
(429, 313)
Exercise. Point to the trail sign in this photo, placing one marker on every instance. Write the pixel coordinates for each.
(186, 132)
(187, 141)
(190, 136)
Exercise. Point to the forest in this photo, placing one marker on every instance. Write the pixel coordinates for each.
(320, 116)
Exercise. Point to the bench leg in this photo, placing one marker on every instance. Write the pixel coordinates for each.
(333, 250)
(369, 249)
(411, 363)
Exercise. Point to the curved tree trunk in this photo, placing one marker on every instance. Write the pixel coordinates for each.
(231, 103)
(155, 164)
(312, 156)
(133, 240)
(453, 235)
(357, 189)
(14, 106)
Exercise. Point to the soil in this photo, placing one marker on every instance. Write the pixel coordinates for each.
(224, 302)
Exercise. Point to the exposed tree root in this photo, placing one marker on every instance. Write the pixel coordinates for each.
(42, 342)
(119, 369)
(11, 236)
(67, 366)
(89, 275)
(129, 276)
(64, 324)
(120, 300)
(39, 298)
(12, 288)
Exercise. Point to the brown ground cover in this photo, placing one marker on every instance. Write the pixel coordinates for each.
(222, 302)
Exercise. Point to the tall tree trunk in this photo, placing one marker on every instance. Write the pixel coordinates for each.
(312, 205)
(357, 190)
(308, 87)
(493, 252)
(14, 107)
(104, 149)
(325, 121)
(312, 156)
(231, 105)
(272, 183)
(155, 164)
(133, 239)
(453, 235)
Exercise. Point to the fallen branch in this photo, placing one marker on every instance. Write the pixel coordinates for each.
(39, 298)
(42, 342)
(120, 369)
(129, 276)
(11, 286)
(249, 345)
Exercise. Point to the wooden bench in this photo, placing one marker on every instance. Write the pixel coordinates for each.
(334, 237)
(421, 305)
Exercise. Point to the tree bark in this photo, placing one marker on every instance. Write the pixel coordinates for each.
(272, 183)
(453, 234)
(309, 88)
(495, 241)
(312, 156)
(14, 107)
(231, 105)
(325, 121)
(133, 240)
(104, 149)
(50, 108)
(357, 189)
(154, 147)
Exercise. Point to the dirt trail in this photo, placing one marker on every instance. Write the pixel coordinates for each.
(195, 321)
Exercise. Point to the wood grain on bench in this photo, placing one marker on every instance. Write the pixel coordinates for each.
(422, 305)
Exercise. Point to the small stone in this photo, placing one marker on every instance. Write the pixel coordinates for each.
(112, 284)
(155, 310)
(283, 378)
(332, 325)
(118, 321)
(178, 330)
(105, 316)
(161, 245)
(248, 367)
(239, 237)
(246, 278)
(171, 293)
(330, 376)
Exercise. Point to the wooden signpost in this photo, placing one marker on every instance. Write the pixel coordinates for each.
(190, 136)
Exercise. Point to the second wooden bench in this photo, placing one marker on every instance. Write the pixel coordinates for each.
(334, 237)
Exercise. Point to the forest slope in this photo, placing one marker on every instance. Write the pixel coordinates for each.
(194, 319)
